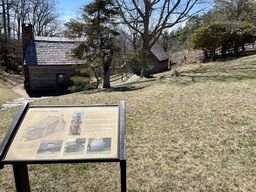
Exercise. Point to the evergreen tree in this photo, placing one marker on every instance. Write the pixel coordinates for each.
(229, 36)
(236, 10)
(98, 28)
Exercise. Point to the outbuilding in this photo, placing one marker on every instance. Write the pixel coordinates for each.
(159, 59)
(47, 61)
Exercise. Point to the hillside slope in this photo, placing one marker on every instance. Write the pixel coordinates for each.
(190, 129)
(7, 81)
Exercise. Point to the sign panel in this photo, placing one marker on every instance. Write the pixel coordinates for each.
(66, 133)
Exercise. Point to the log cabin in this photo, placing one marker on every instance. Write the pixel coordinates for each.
(47, 61)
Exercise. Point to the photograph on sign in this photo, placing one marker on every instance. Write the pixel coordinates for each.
(99, 146)
(76, 123)
(50, 146)
(75, 146)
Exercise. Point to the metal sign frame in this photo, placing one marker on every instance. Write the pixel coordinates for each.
(20, 164)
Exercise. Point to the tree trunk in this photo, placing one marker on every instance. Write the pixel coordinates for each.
(107, 60)
(106, 79)
(223, 50)
(8, 19)
(141, 73)
(18, 29)
(4, 19)
(146, 50)
(205, 54)
(97, 78)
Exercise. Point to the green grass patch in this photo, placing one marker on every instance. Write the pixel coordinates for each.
(7, 81)
(183, 134)
(7, 95)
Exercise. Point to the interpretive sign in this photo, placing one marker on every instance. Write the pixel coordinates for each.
(59, 134)
(48, 133)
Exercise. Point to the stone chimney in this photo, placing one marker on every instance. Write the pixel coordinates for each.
(27, 35)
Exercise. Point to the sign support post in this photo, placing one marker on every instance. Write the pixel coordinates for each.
(21, 177)
(122, 146)
(123, 175)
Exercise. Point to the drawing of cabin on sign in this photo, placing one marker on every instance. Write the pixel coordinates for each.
(48, 125)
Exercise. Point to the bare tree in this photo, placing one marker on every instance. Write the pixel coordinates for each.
(8, 23)
(43, 15)
(4, 18)
(153, 16)
(21, 10)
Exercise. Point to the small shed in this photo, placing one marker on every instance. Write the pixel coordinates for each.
(47, 64)
(160, 59)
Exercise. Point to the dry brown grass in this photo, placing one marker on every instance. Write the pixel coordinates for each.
(192, 129)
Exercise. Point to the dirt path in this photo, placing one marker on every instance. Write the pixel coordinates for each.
(19, 101)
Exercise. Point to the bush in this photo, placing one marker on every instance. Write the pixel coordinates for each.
(80, 83)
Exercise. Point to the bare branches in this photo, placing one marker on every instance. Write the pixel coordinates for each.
(42, 14)
(154, 15)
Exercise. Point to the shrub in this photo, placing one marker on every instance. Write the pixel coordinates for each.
(80, 83)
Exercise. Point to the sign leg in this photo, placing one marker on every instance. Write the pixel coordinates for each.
(123, 175)
(21, 177)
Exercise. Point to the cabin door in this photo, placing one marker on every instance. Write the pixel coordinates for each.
(61, 81)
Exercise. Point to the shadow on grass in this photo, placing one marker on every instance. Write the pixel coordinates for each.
(219, 78)
(225, 71)
(113, 89)
(123, 89)
(47, 93)
(144, 81)
(231, 56)
(127, 87)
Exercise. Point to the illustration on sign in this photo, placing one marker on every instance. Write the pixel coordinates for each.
(48, 125)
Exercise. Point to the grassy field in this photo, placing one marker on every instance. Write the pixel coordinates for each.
(189, 129)
(6, 83)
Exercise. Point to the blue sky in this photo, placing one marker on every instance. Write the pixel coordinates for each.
(70, 8)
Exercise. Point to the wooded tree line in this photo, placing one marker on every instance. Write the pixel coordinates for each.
(42, 14)
(225, 29)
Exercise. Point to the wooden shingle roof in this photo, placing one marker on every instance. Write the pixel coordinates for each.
(51, 51)
(159, 52)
